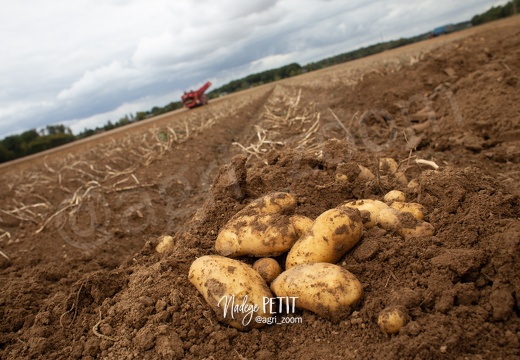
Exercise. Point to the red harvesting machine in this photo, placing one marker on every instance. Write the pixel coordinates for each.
(192, 99)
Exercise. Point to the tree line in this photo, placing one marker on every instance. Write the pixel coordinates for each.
(33, 141)
(261, 78)
(497, 12)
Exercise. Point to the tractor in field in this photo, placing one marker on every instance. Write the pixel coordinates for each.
(192, 99)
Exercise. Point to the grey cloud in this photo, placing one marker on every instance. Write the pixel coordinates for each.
(96, 69)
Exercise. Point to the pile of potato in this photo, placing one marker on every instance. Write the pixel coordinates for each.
(267, 228)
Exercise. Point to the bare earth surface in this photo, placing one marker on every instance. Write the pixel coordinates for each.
(79, 225)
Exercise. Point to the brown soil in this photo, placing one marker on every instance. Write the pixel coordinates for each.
(79, 225)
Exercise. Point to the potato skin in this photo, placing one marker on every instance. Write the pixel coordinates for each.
(422, 228)
(417, 210)
(404, 224)
(401, 178)
(332, 234)
(277, 202)
(388, 165)
(394, 195)
(166, 242)
(389, 219)
(325, 289)
(365, 174)
(218, 278)
(301, 224)
(392, 319)
(268, 268)
(260, 235)
(369, 210)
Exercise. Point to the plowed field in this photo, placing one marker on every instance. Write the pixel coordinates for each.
(80, 277)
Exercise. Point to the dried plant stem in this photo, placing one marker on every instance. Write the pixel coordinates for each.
(4, 255)
(52, 217)
(7, 234)
(309, 132)
(427, 162)
(96, 332)
(133, 187)
(340, 123)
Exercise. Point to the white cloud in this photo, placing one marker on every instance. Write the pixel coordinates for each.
(271, 62)
(99, 82)
(88, 61)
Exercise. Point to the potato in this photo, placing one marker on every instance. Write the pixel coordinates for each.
(165, 242)
(260, 235)
(341, 177)
(234, 291)
(363, 175)
(277, 202)
(401, 178)
(422, 228)
(268, 269)
(325, 289)
(389, 219)
(413, 185)
(394, 195)
(369, 210)
(301, 224)
(404, 224)
(388, 166)
(332, 234)
(392, 319)
(417, 210)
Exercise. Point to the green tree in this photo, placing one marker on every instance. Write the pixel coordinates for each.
(5, 155)
(13, 144)
(48, 142)
(141, 115)
(496, 12)
(57, 129)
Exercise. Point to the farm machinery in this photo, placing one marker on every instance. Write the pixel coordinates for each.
(192, 99)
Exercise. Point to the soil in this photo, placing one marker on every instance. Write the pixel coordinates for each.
(81, 277)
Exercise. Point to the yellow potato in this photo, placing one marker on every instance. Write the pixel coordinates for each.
(400, 178)
(236, 293)
(332, 234)
(325, 289)
(417, 210)
(365, 174)
(413, 185)
(368, 208)
(301, 224)
(165, 242)
(392, 319)
(341, 177)
(268, 269)
(276, 202)
(422, 228)
(260, 235)
(389, 219)
(388, 166)
(404, 224)
(394, 195)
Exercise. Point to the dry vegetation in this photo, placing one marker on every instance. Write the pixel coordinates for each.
(80, 176)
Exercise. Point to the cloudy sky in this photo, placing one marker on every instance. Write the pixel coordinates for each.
(84, 62)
